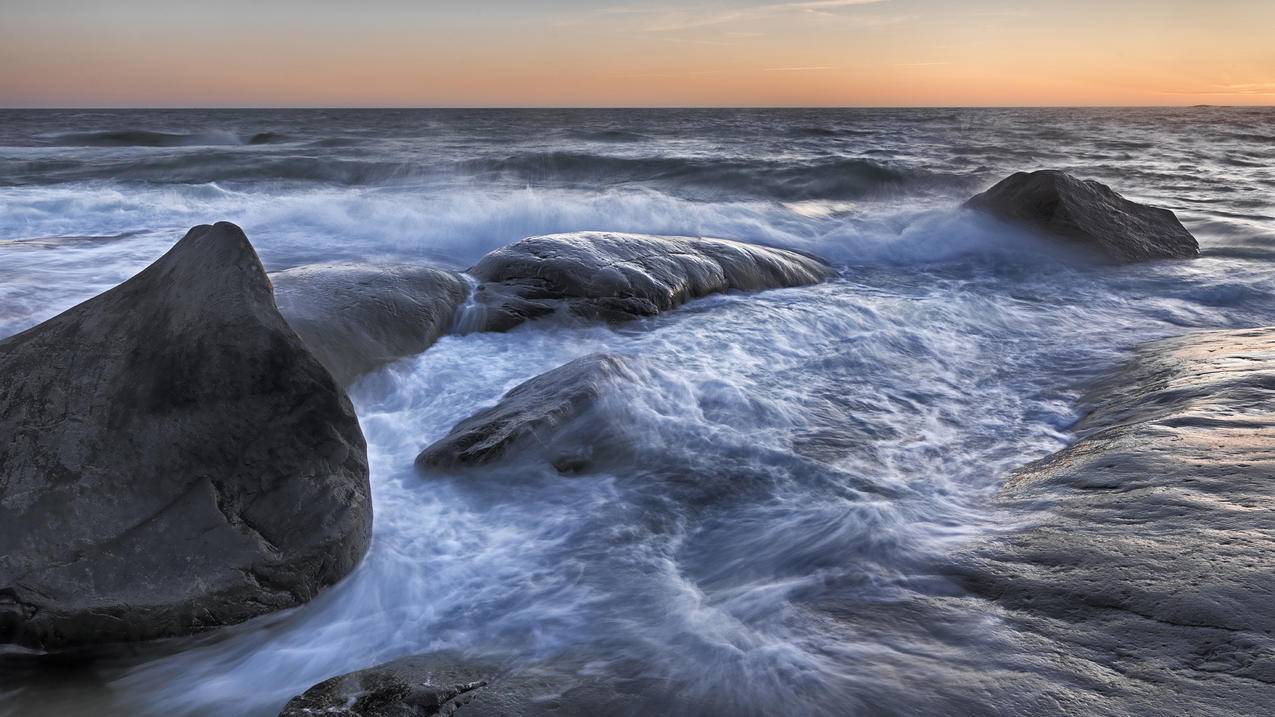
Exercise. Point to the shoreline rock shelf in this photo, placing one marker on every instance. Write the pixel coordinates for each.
(1088, 215)
(1152, 553)
(174, 458)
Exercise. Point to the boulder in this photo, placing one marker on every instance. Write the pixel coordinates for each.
(617, 277)
(1089, 215)
(174, 459)
(356, 317)
(447, 683)
(1147, 554)
(533, 415)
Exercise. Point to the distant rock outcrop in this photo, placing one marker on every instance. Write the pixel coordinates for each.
(616, 277)
(1149, 558)
(356, 317)
(1089, 215)
(173, 458)
(530, 414)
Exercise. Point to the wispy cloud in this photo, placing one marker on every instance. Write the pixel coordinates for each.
(1237, 88)
(741, 71)
(666, 18)
(807, 68)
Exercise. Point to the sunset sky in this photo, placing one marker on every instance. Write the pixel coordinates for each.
(58, 53)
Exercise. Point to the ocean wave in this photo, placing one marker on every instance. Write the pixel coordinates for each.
(706, 178)
(605, 135)
(150, 138)
(699, 178)
(818, 132)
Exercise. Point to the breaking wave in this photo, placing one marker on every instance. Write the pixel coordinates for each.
(149, 138)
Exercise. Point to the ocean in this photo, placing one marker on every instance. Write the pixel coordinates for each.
(811, 457)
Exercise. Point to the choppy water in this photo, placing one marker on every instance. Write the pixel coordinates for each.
(807, 456)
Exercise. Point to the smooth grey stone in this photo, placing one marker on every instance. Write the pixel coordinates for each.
(618, 277)
(357, 317)
(532, 414)
(174, 459)
(1089, 215)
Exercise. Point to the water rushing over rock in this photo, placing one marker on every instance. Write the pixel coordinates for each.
(356, 317)
(1089, 216)
(806, 463)
(619, 277)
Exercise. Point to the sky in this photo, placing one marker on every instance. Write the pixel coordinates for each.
(554, 53)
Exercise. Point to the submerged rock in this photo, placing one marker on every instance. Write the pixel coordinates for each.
(1150, 561)
(532, 414)
(447, 683)
(1089, 215)
(174, 459)
(356, 317)
(616, 277)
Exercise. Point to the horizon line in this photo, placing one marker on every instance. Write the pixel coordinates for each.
(626, 107)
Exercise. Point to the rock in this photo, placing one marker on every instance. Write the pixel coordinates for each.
(532, 414)
(447, 683)
(1150, 560)
(1087, 214)
(173, 460)
(617, 277)
(356, 317)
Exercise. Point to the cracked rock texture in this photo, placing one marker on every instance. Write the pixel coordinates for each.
(1088, 215)
(617, 277)
(1151, 559)
(356, 317)
(174, 459)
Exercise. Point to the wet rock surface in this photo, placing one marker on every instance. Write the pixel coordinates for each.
(1089, 215)
(174, 458)
(1146, 570)
(356, 317)
(617, 277)
(448, 683)
(533, 413)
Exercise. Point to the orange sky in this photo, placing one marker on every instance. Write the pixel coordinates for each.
(573, 53)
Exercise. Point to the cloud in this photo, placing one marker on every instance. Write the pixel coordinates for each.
(807, 68)
(1237, 88)
(699, 15)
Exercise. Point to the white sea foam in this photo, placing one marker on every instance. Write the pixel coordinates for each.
(800, 458)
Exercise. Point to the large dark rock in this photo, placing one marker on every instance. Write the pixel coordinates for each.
(616, 277)
(1089, 215)
(355, 317)
(534, 414)
(447, 683)
(173, 458)
(1151, 561)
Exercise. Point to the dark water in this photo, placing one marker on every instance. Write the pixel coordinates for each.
(809, 456)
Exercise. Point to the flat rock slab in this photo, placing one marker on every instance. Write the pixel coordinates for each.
(1150, 556)
(618, 277)
(174, 459)
(357, 317)
(531, 414)
(1087, 214)
(448, 683)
